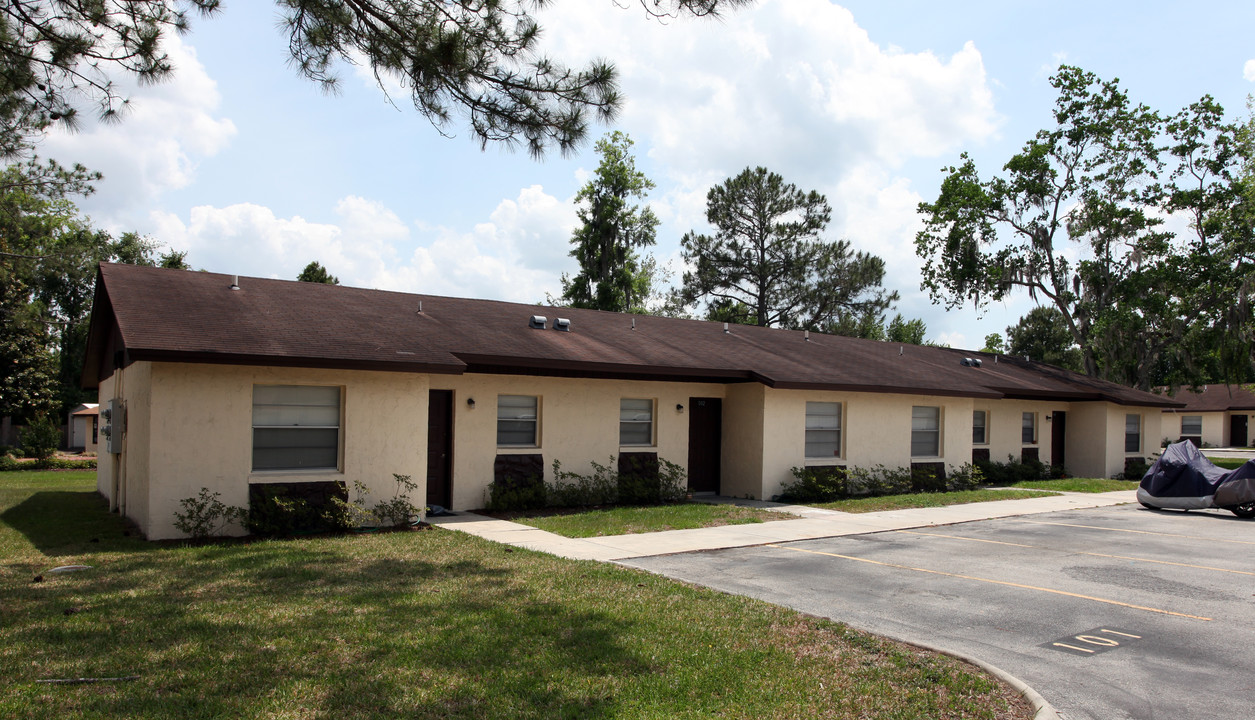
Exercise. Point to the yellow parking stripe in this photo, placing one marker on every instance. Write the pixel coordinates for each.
(997, 582)
(1080, 552)
(1140, 532)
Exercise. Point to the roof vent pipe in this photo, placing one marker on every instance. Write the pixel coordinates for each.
(806, 335)
(900, 349)
(420, 306)
(633, 323)
(725, 328)
(235, 282)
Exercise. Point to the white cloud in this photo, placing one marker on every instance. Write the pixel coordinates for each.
(791, 84)
(515, 256)
(167, 128)
(1248, 70)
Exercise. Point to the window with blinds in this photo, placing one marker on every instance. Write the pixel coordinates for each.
(296, 427)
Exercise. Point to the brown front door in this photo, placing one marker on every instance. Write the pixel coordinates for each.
(440, 447)
(1237, 431)
(1058, 431)
(705, 431)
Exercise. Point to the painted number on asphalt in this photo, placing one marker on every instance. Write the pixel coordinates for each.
(1093, 642)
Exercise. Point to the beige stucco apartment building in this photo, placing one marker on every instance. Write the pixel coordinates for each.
(226, 383)
(1212, 416)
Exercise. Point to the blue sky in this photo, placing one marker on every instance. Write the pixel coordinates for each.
(254, 171)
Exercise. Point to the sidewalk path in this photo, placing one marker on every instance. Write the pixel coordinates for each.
(811, 523)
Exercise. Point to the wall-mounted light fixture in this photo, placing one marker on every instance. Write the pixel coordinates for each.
(679, 407)
(1049, 418)
(470, 403)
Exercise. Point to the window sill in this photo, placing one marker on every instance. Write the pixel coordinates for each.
(278, 476)
(824, 461)
(517, 449)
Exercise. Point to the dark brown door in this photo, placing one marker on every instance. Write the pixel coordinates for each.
(705, 431)
(1057, 434)
(440, 447)
(1237, 431)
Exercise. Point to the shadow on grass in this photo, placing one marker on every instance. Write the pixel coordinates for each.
(340, 628)
(63, 522)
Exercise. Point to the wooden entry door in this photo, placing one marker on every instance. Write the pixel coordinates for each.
(705, 433)
(1058, 432)
(1237, 431)
(440, 448)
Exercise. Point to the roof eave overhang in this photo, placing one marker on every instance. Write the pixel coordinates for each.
(1023, 394)
(887, 389)
(548, 367)
(180, 356)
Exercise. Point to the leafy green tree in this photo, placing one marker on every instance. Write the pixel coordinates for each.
(316, 273)
(478, 60)
(28, 378)
(901, 330)
(612, 276)
(767, 254)
(866, 325)
(48, 258)
(1077, 222)
(993, 344)
(1042, 335)
(41, 437)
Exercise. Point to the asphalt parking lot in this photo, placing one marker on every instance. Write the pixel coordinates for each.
(1109, 613)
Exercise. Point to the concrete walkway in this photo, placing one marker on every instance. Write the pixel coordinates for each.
(809, 524)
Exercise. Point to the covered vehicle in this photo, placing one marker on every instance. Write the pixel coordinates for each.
(1185, 480)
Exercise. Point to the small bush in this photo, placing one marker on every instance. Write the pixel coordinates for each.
(644, 484)
(1134, 469)
(206, 515)
(571, 489)
(41, 437)
(1012, 471)
(968, 477)
(880, 480)
(398, 511)
(815, 485)
(515, 494)
(278, 511)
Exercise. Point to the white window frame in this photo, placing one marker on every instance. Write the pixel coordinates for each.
(1186, 433)
(1130, 417)
(513, 412)
(1032, 426)
(274, 414)
(921, 431)
(636, 421)
(984, 427)
(821, 429)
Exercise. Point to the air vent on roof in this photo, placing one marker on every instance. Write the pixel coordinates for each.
(970, 362)
(562, 324)
(235, 282)
(538, 322)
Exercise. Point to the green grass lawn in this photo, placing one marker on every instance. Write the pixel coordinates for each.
(431, 624)
(1228, 463)
(626, 520)
(1085, 485)
(926, 500)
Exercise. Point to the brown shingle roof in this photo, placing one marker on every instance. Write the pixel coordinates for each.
(1215, 398)
(189, 316)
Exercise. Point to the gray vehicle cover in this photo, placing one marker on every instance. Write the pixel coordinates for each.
(1183, 478)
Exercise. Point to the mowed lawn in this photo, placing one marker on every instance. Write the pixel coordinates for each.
(652, 518)
(421, 624)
